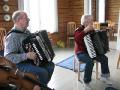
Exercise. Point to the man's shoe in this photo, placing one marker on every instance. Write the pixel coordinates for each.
(87, 87)
(106, 80)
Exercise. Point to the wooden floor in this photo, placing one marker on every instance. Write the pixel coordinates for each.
(64, 79)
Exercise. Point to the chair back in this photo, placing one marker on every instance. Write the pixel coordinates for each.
(71, 26)
(2, 34)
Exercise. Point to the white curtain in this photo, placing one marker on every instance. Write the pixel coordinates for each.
(118, 34)
(42, 14)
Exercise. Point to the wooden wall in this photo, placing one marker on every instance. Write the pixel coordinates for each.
(77, 10)
(13, 6)
(74, 10)
(71, 10)
(112, 11)
(68, 10)
(94, 10)
(63, 18)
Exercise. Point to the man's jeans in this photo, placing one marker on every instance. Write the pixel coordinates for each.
(84, 57)
(44, 73)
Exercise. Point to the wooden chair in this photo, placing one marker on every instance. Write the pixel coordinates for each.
(78, 66)
(118, 62)
(2, 34)
(71, 26)
(111, 30)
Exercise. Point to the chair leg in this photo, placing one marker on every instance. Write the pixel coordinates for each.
(97, 65)
(74, 61)
(118, 61)
(97, 70)
(67, 42)
(78, 71)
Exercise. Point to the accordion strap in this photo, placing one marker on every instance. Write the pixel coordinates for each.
(15, 31)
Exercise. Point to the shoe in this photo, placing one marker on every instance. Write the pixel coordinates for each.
(106, 80)
(87, 87)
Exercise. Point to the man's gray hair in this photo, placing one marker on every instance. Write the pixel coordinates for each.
(16, 15)
(85, 18)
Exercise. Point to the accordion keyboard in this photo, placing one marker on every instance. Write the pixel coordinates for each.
(89, 46)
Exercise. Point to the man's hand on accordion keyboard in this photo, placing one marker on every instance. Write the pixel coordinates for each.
(31, 55)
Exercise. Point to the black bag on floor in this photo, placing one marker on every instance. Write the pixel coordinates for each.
(110, 88)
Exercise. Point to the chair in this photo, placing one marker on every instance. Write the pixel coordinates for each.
(118, 62)
(2, 34)
(71, 26)
(78, 66)
(111, 30)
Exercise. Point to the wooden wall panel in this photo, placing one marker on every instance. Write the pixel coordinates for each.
(77, 10)
(112, 11)
(10, 2)
(94, 10)
(13, 5)
(63, 18)
(68, 10)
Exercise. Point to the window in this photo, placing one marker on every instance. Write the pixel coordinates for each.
(42, 14)
(88, 7)
(101, 10)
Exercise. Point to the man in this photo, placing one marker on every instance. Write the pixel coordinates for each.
(14, 52)
(82, 54)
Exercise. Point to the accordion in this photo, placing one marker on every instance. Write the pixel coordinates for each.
(41, 45)
(96, 43)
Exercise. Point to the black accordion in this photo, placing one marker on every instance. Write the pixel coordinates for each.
(41, 45)
(96, 43)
